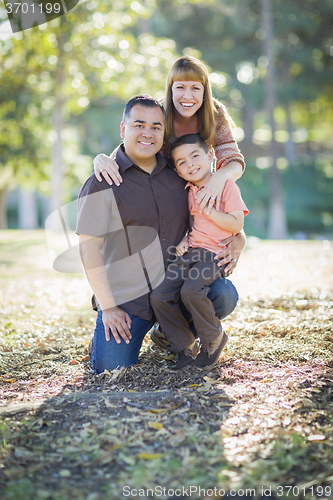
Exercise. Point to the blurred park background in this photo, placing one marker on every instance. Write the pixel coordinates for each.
(63, 86)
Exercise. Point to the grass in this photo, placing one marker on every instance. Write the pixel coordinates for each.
(261, 420)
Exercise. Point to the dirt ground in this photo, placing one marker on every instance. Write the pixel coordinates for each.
(259, 425)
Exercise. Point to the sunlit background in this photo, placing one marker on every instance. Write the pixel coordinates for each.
(63, 86)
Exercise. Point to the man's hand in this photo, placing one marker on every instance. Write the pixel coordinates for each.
(119, 322)
(231, 249)
(182, 247)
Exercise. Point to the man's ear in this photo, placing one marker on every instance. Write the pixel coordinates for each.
(122, 130)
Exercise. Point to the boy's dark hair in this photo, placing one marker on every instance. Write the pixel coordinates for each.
(144, 100)
(188, 139)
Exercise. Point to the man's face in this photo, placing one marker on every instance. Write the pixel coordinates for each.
(143, 132)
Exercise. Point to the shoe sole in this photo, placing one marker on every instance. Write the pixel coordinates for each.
(176, 369)
(224, 341)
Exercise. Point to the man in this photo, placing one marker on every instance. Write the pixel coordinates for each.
(122, 226)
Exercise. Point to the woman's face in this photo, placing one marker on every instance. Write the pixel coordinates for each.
(187, 97)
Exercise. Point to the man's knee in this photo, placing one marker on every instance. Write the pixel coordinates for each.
(101, 367)
(224, 297)
(111, 356)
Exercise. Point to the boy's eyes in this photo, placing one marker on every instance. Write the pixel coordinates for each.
(183, 162)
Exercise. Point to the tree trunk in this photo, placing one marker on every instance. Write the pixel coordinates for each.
(277, 224)
(28, 218)
(56, 177)
(3, 209)
(57, 173)
(289, 147)
(144, 23)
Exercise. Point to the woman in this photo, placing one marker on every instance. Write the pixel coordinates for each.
(191, 109)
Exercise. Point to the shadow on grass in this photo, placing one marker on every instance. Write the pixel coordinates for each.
(111, 443)
(91, 445)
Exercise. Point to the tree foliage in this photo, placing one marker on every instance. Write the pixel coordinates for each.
(101, 53)
(88, 56)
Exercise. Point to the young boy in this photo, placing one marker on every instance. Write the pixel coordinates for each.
(189, 276)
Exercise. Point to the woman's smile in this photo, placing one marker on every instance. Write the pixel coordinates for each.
(187, 97)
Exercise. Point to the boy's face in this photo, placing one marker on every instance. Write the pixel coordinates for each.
(193, 163)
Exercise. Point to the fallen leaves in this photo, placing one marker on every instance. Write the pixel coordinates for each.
(265, 410)
(64, 473)
(177, 437)
(316, 437)
(108, 404)
(149, 456)
(156, 425)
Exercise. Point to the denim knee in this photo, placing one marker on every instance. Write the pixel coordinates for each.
(224, 296)
(108, 355)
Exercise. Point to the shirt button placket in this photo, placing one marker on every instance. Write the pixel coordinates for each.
(161, 218)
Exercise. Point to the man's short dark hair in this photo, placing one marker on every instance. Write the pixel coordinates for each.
(144, 100)
(188, 139)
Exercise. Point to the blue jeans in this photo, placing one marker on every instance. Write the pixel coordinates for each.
(110, 355)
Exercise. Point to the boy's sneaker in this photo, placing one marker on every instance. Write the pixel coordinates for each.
(158, 337)
(187, 357)
(182, 360)
(209, 356)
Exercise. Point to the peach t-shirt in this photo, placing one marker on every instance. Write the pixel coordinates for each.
(205, 233)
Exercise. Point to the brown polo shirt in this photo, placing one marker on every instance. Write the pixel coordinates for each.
(141, 221)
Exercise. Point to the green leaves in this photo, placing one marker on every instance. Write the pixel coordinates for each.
(88, 56)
